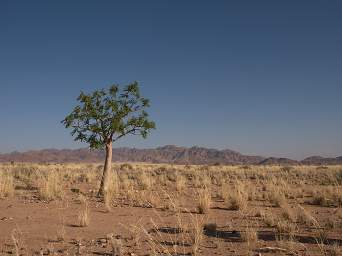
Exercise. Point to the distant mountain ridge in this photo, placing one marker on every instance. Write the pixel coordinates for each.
(166, 154)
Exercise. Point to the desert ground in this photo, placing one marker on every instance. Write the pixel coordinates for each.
(163, 209)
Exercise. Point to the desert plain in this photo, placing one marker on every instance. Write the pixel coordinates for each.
(165, 209)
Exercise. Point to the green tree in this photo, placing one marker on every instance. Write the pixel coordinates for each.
(104, 116)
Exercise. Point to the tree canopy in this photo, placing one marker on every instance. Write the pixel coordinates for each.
(106, 115)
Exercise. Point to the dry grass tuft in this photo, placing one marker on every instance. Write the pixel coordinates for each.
(18, 242)
(180, 182)
(6, 184)
(61, 232)
(204, 201)
(237, 199)
(327, 197)
(145, 181)
(288, 213)
(196, 233)
(84, 214)
(50, 187)
(304, 217)
(286, 228)
(275, 196)
(249, 236)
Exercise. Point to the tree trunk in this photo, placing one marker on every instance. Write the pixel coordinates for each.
(106, 170)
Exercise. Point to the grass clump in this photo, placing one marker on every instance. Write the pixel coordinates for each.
(145, 181)
(6, 185)
(276, 198)
(50, 187)
(204, 201)
(180, 183)
(84, 214)
(287, 212)
(304, 217)
(327, 197)
(250, 236)
(286, 228)
(237, 201)
(196, 234)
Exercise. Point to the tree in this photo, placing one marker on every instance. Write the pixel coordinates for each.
(104, 116)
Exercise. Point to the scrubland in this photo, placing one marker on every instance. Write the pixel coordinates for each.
(160, 209)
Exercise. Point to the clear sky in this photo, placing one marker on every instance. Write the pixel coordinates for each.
(259, 77)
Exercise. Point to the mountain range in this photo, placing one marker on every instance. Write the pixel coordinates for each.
(167, 154)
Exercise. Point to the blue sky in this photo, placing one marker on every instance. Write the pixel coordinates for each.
(260, 77)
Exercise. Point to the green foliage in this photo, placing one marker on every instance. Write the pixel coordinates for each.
(107, 115)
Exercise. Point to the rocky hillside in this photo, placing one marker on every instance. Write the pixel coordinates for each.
(166, 154)
(322, 160)
(279, 161)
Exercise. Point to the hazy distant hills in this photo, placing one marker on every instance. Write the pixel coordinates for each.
(280, 161)
(322, 160)
(166, 154)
